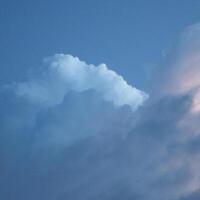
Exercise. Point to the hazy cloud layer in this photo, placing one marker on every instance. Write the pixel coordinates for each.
(67, 133)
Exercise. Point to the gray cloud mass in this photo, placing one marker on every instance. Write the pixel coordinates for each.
(79, 132)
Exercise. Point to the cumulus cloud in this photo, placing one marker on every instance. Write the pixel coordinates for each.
(65, 73)
(78, 146)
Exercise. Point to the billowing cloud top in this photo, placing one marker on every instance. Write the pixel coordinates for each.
(65, 73)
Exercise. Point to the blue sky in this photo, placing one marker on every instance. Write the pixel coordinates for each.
(129, 36)
(100, 100)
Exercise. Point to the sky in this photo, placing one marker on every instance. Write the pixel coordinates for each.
(128, 36)
(100, 100)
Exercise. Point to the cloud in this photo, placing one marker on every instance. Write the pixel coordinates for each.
(88, 153)
(181, 72)
(61, 136)
(65, 73)
(180, 76)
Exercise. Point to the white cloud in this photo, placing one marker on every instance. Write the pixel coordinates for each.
(64, 73)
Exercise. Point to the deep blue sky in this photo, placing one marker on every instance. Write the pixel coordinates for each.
(129, 35)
